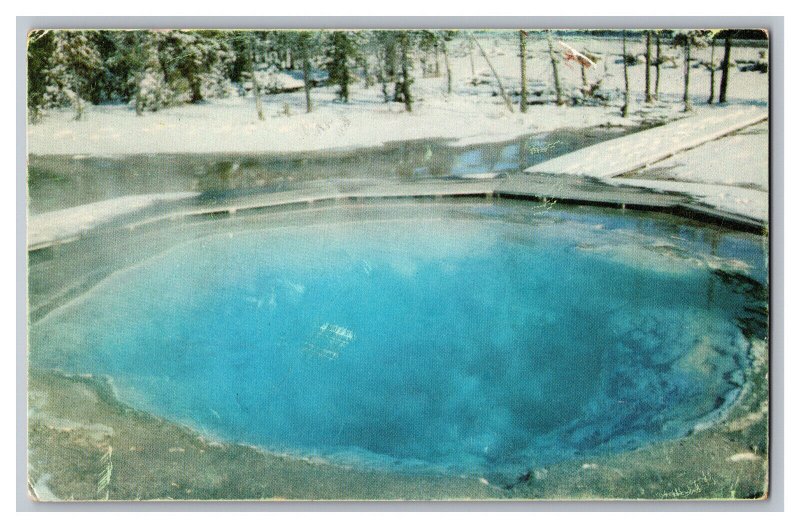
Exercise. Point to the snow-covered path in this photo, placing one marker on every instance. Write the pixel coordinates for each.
(628, 153)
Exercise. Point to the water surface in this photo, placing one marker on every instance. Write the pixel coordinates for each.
(58, 182)
(480, 338)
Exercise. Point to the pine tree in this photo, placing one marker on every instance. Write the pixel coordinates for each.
(40, 49)
(405, 43)
(342, 55)
(308, 46)
(198, 64)
(75, 61)
(138, 75)
(384, 44)
(151, 91)
(427, 43)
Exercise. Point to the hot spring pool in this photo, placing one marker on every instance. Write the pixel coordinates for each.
(476, 339)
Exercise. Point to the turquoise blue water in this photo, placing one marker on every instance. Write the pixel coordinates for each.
(469, 344)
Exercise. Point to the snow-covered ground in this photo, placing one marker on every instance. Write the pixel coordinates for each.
(737, 160)
(471, 114)
(694, 156)
(730, 173)
(66, 223)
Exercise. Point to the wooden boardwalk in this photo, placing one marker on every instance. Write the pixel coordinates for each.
(635, 151)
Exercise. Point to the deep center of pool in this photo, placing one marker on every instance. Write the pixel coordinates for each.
(467, 345)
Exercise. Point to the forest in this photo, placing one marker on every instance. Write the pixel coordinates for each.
(150, 70)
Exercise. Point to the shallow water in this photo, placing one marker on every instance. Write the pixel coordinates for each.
(489, 342)
(58, 182)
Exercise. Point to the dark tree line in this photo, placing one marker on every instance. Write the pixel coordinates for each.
(150, 70)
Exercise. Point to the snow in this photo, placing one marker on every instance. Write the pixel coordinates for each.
(693, 156)
(631, 152)
(230, 125)
(751, 203)
(59, 225)
(740, 159)
(471, 114)
(730, 173)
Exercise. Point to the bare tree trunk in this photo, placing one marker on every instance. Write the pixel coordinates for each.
(556, 78)
(625, 73)
(496, 77)
(384, 73)
(307, 79)
(79, 106)
(138, 97)
(256, 87)
(713, 69)
(726, 64)
(447, 68)
(523, 68)
(648, 58)
(584, 82)
(687, 103)
(406, 70)
(472, 62)
(658, 63)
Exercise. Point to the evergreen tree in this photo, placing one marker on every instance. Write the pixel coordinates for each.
(427, 44)
(385, 45)
(405, 43)
(198, 64)
(342, 54)
(75, 61)
(308, 46)
(136, 70)
(239, 42)
(111, 83)
(40, 49)
(150, 90)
